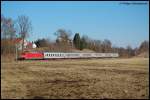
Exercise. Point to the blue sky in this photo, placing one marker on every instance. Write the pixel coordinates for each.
(122, 24)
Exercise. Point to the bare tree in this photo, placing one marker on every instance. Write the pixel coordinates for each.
(7, 28)
(107, 45)
(24, 28)
(130, 51)
(144, 46)
(8, 33)
(63, 35)
(63, 39)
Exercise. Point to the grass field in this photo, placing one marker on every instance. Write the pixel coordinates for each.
(79, 79)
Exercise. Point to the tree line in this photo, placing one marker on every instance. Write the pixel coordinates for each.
(84, 42)
(64, 43)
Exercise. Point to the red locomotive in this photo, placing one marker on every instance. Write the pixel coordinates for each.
(32, 55)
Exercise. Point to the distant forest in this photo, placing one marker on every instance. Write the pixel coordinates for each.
(21, 28)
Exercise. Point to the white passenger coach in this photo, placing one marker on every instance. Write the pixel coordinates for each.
(48, 55)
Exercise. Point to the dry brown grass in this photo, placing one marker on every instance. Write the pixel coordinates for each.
(79, 79)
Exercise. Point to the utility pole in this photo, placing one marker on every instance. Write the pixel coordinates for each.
(16, 52)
